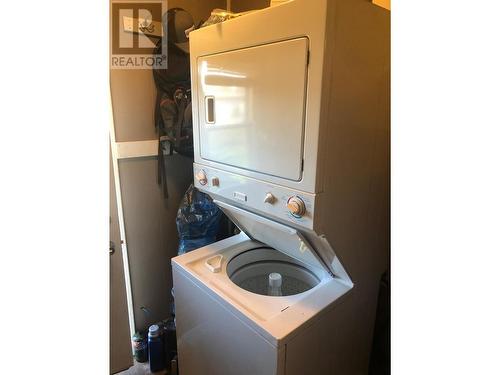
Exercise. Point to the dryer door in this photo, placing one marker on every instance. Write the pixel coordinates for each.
(285, 239)
(252, 107)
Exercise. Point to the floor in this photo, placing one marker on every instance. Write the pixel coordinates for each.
(141, 369)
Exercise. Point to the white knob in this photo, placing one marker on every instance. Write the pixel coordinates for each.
(296, 206)
(269, 198)
(201, 176)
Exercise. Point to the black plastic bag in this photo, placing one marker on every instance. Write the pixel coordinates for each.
(198, 220)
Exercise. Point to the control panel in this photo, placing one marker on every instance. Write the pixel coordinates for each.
(262, 197)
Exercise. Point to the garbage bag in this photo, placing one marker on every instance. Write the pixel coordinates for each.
(198, 220)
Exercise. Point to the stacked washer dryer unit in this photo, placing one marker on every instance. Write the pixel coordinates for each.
(290, 114)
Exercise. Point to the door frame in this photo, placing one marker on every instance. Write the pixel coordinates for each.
(121, 224)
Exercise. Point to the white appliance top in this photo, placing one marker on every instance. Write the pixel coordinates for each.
(277, 319)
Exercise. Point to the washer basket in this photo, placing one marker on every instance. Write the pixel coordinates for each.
(251, 271)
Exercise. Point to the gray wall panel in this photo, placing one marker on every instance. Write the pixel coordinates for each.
(151, 231)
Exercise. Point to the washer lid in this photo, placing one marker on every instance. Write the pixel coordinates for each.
(281, 237)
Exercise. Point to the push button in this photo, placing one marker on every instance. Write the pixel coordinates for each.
(240, 196)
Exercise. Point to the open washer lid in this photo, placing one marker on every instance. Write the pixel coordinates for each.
(281, 237)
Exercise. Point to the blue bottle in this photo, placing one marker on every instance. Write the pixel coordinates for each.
(156, 349)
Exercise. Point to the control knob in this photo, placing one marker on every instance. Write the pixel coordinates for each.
(296, 206)
(269, 198)
(201, 176)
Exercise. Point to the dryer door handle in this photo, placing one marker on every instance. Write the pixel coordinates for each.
(210, 109)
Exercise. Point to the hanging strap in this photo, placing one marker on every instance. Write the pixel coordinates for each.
(180, 99)
(162, 168)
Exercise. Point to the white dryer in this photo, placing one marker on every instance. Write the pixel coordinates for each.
(291, 138)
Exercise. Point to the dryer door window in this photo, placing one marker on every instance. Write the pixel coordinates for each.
(252, 107)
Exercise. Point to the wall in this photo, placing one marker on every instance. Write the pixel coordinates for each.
(383, 3)
(244, 5)
(133, 95)
(199, 9)
(149, 220)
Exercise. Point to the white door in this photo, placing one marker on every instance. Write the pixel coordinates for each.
(252, 107)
